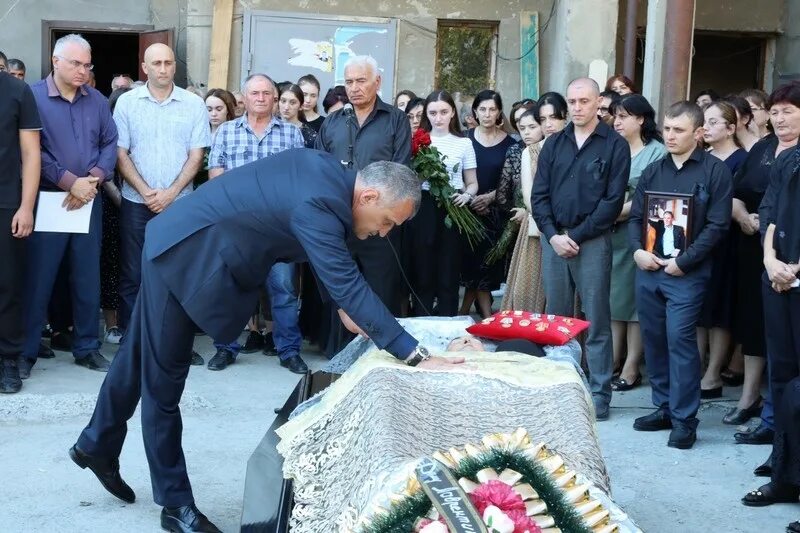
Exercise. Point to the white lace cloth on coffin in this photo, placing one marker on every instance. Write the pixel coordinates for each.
(435, 333)
(381, 414)
(397, 482)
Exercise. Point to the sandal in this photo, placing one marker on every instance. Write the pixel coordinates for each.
(622, 385)
(769, 494)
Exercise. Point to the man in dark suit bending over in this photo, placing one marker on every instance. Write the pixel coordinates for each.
(203, 262)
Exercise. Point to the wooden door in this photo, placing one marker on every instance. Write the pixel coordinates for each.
(151, 37)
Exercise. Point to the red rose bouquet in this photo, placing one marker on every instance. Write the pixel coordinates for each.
(429, 165)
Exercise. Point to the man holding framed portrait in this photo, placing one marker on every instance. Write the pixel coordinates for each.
(680, 210)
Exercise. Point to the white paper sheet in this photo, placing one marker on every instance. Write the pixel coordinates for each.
(51, 216)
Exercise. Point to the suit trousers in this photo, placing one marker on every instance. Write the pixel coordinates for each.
(45, 253)
(588, 273)
(12, 274)
(782, 328)
(133, 218)
(152, 363)
(436, 260)
(669, 308)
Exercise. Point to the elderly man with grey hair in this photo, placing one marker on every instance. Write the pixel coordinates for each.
(204, 261)
(256, 135)
(163, 133)
(78, 149)
(368, 130)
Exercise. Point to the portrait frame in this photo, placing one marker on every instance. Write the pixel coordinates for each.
(657, 206)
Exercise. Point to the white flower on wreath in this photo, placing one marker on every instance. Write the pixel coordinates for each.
(497, 521)
(435, 527)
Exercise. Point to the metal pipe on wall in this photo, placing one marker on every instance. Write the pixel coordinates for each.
(678, 41)
(631, 14)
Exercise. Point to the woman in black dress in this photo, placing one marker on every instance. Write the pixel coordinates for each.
(491, 144)
(781, 292)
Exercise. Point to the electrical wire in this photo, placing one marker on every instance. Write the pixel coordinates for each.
(538, 34)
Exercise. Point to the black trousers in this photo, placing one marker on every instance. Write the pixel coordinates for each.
(782, 325)
(133, 218)
(152, 362)
(12, 269)
(435, 253)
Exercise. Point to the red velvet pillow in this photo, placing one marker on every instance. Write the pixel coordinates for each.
(542, 329)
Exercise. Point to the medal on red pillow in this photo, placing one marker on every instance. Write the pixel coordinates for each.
(552, 330)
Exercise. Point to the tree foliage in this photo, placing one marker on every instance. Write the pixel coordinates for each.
(464, 58)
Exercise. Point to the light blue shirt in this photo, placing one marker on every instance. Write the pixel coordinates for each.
(669, 241)
(159, 135)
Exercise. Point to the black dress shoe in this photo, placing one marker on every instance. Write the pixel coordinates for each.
(682, 436)
(254, 342)
(221, 359)
(737, 417)
(94, 361)
(765, 469)
(295, 364)
(107, 472)
(45, 352)
(186, 519)
(711, 394)
(24, 365)
(655, 421)
(10, 382)
(61, 341)
(197, 359)
(761, 435)
(269, 344)
(794, 527)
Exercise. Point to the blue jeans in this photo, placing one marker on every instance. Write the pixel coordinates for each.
(283, 302)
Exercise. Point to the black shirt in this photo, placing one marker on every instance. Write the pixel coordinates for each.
(19, 113)
(752, 178)
(708, 179)
(580, 190)
(787, 234)
(316, 124)
(385, 135)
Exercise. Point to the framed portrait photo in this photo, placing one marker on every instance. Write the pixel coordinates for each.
(667, 224)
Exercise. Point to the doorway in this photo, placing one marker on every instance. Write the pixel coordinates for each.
(114, 53)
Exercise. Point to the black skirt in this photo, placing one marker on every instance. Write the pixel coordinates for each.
(475, 273)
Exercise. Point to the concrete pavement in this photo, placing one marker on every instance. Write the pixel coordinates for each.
(226, 414)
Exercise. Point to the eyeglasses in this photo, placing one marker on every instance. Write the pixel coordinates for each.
(714, 122)
(77, 64)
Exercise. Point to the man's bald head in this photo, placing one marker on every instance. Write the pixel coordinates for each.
(159, 65)
(588, 83)
(583, 101)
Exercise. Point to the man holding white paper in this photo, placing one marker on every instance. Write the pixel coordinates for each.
(78, 144)
(19, 158)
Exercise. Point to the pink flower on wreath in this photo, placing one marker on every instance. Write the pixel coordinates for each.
(522, 522)
(496, 493)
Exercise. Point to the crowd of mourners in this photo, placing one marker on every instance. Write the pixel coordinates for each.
(676, 236)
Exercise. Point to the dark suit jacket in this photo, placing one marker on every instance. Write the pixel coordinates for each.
(214, 248)
(679, 235)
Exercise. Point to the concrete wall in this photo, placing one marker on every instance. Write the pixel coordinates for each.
(172, 14)
(21, 34)
(416, 34)
(787, 46)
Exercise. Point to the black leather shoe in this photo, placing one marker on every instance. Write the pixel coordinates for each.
(45, 352)
(254, 342)
(655, 421)
(737, 417)
(94, 361)
(61, 341)
(761, 435)
(794, 527)
(601, 412)
(25, 365)
(186, 519)
(197, 359)
(682, 436)
(771, 493)
(10, 382)
(764, 470)
(295, 364)
(711, 394)
(221, 359)
(107, 472)
(269, 345)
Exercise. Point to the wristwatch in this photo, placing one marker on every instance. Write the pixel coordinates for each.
(419, 355)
